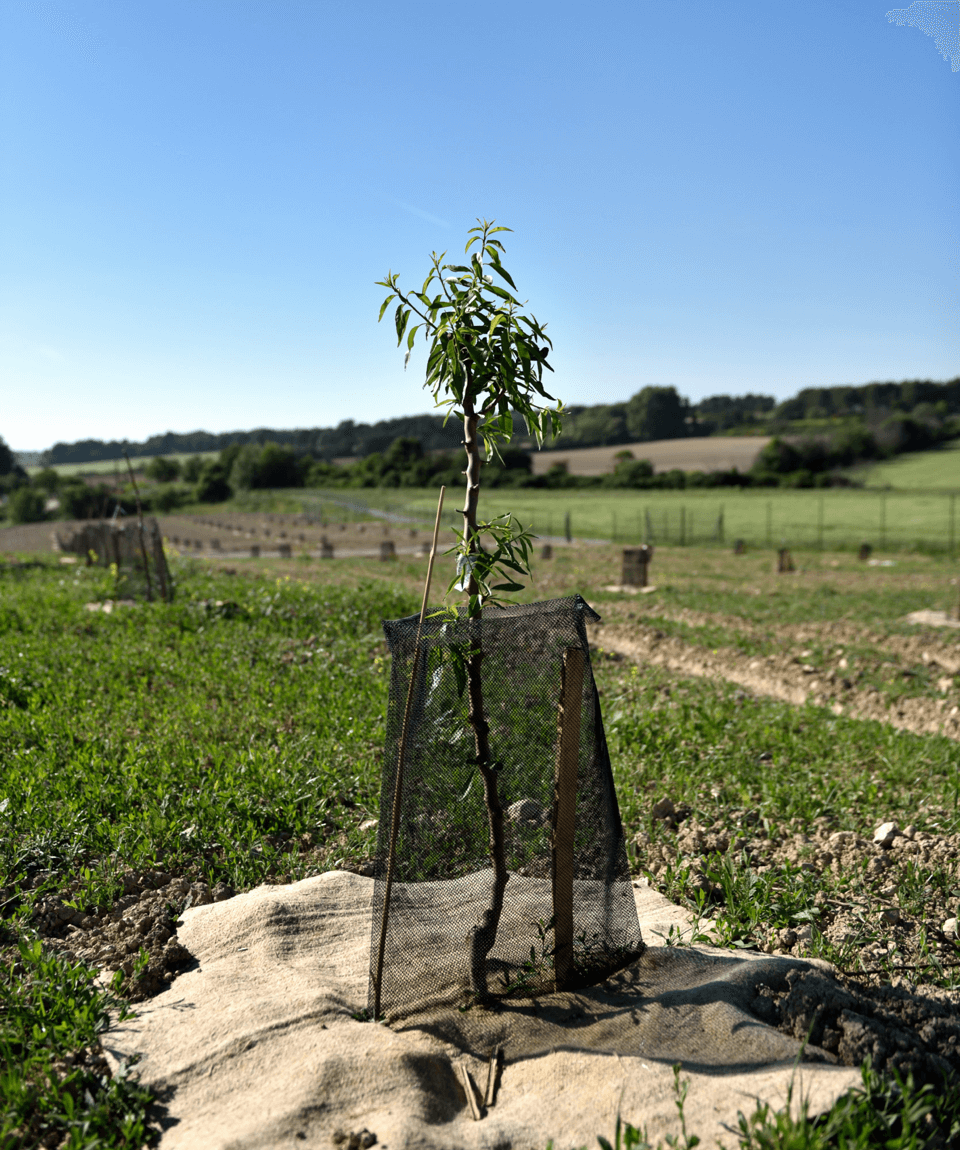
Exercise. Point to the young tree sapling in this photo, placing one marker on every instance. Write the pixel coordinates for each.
(485, 365)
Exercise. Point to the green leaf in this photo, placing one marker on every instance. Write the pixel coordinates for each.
(383, 307)
(503, 273)
(400, 319)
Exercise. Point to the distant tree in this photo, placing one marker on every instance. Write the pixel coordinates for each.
(228, 455)
(245, 471)
(630, 472)
(162, 470)
(852, 445)
(79, 501)
(168, 498)
(7, 460)
(277, 467)
(595, 426)
(656, 413)
(192, 466)
(26, 505)
(778, 457)
(47, 480)
(213, 485)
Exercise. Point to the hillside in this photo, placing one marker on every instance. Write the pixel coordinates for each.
(936, 467)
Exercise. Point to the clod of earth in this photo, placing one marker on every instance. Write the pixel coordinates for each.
(143, 920)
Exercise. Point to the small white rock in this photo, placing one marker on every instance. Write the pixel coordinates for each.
(885, 833)
(527, 811)
(951, 928)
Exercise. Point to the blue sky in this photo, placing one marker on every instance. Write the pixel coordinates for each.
(198, 195)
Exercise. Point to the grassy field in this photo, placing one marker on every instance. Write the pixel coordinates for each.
(107, 467)
(836, 518)
(234, 737)
(919, 469)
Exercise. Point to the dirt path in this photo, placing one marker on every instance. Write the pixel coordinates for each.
(786, 677)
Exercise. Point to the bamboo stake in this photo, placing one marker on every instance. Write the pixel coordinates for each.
(470, 1090)
(143, 549)
(493, 1069)
(564, 812)
(398, 784)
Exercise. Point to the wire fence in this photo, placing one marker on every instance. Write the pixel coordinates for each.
(883, 519)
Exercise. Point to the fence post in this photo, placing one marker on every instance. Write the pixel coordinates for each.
(567, 528)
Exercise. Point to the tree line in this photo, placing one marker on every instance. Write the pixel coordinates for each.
(807, 462)
(652, 413)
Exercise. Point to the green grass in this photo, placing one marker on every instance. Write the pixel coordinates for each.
(235, 735)
(871, 1118)
(120, 733)
(55, 1088)
(766, 517)
(702, 742)
(923, 469)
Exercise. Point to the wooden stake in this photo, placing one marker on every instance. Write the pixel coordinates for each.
(398, 784)
(493, 1069)
(470, 1090)
(564, 812)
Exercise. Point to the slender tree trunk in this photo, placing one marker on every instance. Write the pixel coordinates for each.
(484, 934)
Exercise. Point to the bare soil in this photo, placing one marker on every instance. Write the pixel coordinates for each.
(796, 678)
(234, 533)
(712, 453)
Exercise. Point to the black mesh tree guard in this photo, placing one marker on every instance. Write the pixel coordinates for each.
(569, 916)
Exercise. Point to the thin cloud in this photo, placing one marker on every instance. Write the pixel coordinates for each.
(937, 18)
(420, 213)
